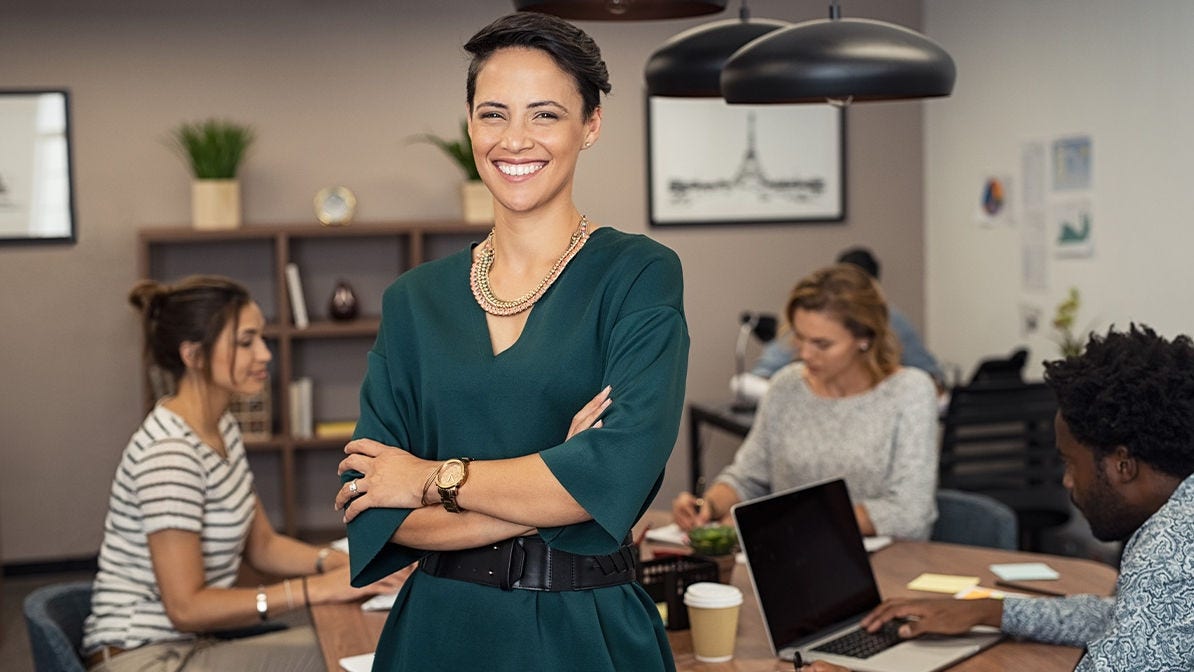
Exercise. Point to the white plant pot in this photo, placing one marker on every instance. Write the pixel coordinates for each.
(215, 204)
(477, 202)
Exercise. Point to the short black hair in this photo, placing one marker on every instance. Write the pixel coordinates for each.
(1133, 389)
(862, 258)
(570, 47)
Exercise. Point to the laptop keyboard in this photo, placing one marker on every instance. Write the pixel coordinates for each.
(862, 644)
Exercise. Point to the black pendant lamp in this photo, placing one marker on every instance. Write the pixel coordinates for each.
(838, 60)
(621, 10)
(689, 64)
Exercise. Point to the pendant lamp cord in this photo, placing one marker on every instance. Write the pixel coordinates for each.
(835, 10)
(744, 11)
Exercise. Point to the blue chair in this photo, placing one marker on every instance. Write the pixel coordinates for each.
(54, 616)
(975, 519)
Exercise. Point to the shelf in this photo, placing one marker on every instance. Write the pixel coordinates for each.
(263, 445)
(367, 255)
(364, 326)
(322, 443)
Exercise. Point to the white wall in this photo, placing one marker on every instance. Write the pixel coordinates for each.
(1030, 69)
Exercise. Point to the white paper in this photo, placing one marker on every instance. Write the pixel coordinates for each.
(361, 663)
(381, 602)
(872, 544)
(668, 534)
(1025, 571)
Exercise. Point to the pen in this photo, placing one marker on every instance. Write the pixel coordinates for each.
(1029, 589)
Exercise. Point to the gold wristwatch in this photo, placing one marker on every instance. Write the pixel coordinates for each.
(448, 480)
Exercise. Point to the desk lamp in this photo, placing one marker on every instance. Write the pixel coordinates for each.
(763, 326)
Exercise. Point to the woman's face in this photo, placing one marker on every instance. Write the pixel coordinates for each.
(825, 346)
(527, 129)
(239, 361)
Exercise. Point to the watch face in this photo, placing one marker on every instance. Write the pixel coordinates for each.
(451, 475)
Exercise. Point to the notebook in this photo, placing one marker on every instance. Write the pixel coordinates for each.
(813, 581)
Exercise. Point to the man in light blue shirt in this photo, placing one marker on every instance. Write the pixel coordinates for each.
(780, 352)
(1125, 429)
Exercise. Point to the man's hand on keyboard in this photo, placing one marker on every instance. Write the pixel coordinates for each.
(941, 616)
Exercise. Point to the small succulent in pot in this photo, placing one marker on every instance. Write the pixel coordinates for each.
(715, 539)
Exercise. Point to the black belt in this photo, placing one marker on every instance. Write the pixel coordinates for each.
(527, 563)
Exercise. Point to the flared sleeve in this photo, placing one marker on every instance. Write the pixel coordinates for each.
(386, 410)
(615, 471)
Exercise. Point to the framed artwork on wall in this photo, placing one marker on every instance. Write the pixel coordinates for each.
(709, 162)
(36, 186)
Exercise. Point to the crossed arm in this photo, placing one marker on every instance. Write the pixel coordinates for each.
(503, 498)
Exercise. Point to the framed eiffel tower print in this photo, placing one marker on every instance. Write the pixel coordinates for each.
(713, 163)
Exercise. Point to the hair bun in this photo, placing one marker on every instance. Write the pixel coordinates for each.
(147, 296)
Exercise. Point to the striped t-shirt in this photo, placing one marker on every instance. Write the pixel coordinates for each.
(167, 479)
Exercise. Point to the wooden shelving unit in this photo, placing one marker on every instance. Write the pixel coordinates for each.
(368, 256)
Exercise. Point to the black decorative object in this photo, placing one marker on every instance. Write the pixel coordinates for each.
(343, 305)
(836, 59)
(689, 64)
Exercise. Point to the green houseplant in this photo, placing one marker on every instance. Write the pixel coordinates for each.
(1063, 322)
(460, 150)
(214, 150)
(476, 201)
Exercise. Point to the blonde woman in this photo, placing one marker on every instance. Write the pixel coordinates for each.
(845, 409)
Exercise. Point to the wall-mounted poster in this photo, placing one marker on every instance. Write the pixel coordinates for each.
(36, 203)
(714, 163)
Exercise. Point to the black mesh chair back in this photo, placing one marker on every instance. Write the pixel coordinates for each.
(997, 439)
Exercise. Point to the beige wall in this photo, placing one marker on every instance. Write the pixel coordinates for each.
(333, 89)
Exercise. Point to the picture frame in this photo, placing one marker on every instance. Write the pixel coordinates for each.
(37, 202)
(709, 162)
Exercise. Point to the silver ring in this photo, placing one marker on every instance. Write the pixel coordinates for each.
(352, 487)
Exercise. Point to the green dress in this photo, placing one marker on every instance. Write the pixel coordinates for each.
(614, 317)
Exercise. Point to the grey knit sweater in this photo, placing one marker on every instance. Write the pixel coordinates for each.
(883, 442)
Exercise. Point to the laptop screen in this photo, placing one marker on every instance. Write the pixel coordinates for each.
(807, 560)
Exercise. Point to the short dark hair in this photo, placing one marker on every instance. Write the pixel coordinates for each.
(196, 309)
(570, 47)
(862, 258)
(1133, 389)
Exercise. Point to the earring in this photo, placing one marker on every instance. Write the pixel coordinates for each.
(864, 346)
(588, 144)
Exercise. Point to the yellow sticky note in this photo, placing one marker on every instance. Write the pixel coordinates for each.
(942, 583)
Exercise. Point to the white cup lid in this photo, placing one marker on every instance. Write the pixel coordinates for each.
(712, 595)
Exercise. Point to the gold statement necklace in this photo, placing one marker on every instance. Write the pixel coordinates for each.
(483, 292)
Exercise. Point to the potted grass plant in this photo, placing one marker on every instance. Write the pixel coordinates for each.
(214, 150)
(475, 199)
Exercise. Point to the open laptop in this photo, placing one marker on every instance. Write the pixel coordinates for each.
(813, 581)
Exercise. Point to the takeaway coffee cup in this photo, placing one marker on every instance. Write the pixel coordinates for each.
(713, 616)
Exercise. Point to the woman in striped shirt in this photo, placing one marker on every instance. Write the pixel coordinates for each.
(183, 513)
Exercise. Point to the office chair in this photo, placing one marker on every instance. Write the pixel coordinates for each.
(997, 439)
(975, 519)
(1001, 369)
(54, 616)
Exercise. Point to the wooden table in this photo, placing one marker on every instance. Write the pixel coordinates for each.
(345, 630)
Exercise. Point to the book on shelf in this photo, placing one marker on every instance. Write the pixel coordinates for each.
(329, 429)
(298, 304)
(300, 408)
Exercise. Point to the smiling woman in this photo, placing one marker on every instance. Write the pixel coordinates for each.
(471, 455)
(184, 515)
